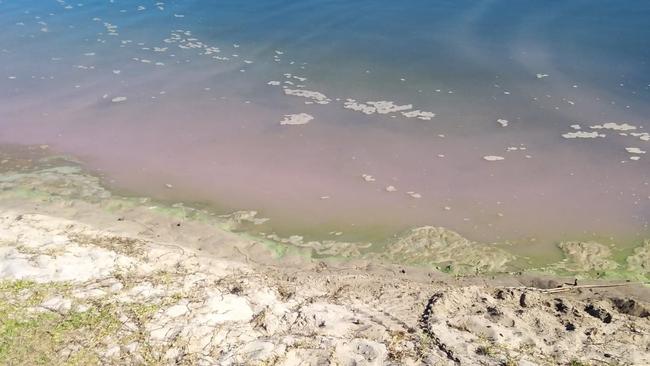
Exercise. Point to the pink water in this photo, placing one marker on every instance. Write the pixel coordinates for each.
(213, 133)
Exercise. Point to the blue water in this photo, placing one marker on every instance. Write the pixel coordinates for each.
(210, 127)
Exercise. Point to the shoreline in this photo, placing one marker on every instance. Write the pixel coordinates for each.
(87, 277)
(425, 247)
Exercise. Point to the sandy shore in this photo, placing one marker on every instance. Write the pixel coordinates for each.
(88, 277)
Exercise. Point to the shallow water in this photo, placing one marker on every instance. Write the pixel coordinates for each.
(172, 99)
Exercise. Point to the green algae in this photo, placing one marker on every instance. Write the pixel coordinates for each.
(448, 252)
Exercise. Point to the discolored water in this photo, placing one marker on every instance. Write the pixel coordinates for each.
(184, 100)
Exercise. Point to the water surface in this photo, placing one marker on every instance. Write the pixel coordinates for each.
(183, 101)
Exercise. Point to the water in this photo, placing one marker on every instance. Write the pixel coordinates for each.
(201, 117)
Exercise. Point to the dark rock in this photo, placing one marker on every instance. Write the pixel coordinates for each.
(630, 307)
(493, 311)
(599, 313)
(560, 306)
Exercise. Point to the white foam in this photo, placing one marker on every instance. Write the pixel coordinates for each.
(315, 96)
(423, 115)
(614, 126)
(368, 177)
(644, 136)
(414, 194)
(359, 107)
(634, 150)
(386, 106)
(582, 135)
(297, 119)
(493, 158)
